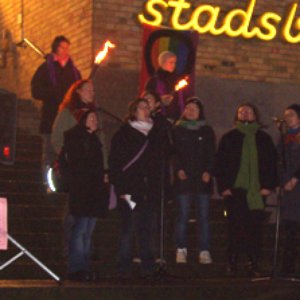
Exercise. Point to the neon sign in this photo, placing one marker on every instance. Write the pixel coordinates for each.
(236, 23)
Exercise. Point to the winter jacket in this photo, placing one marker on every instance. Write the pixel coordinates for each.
(50, 83)
(87, 193)
(142, 178)
(228, 160)
(194, 153)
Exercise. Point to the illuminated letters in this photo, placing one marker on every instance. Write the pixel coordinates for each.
(153, 12)
(236, 23)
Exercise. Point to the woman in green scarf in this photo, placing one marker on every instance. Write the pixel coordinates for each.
(246, 174)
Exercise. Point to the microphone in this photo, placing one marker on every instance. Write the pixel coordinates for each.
(278, 120)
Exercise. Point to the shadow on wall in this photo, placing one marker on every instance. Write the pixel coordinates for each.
(222, 96)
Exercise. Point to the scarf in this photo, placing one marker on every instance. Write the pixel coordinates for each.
(190, 124)
(292, 136)
(142, 126)
(50, 63)
(247, 177)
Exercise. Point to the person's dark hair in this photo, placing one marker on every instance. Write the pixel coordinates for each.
(57, 40)
(253, 107)
(132, 108)
(296, 108)
(82, 115)
(152, 93)
(196, 101)
(72, 99)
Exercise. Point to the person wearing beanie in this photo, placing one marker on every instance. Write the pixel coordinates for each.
(163, 83)
(194, 143)
(290, 176)
(49, 84)
(245, 171)
(88, 197)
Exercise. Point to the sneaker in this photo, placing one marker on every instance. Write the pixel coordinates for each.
(181, 255)
(204, 257)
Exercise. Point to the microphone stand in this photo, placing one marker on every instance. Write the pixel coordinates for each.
(100, 109)
(161, 272)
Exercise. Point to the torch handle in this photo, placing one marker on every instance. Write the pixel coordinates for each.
(93, 71)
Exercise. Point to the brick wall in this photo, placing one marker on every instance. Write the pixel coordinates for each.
(87, 23)
(221, 56)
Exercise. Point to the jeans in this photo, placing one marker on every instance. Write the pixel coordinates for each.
(184, 205)
(80, 243)
(139, 222)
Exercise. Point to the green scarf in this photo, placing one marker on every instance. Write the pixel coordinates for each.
(248, 177)
(189, 124)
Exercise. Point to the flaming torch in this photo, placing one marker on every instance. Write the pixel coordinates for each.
(181, 84)
(100, 57)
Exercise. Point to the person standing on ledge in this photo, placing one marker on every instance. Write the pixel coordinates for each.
(163, 83)
(49, 84)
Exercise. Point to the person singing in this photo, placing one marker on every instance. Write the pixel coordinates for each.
(246, 173)
(290, 211)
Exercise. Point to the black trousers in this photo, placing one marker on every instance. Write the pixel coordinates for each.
(290, 247)
(136, 223)
(244, 226)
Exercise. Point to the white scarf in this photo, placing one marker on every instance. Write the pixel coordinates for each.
(142, 126)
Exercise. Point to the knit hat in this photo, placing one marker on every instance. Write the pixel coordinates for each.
(295, 107)
(164, 56)
(196, 101)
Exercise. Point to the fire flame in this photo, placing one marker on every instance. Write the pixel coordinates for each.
(102, 54)
(181, 84)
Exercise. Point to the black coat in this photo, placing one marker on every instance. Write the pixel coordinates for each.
(51, 93)
(229, 157)
(142, 178)
(88, 197)
(194, 153)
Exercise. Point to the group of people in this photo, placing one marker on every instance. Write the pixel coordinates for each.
(164, 136)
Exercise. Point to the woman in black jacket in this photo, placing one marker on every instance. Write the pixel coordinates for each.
(87, 196)
(246, 174)
(135, 173)
(194, 143)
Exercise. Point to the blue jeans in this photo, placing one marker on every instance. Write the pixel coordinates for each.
(184, 206)
(80, 243)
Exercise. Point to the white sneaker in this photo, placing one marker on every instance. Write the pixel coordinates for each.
(205, 258)
(181, 255)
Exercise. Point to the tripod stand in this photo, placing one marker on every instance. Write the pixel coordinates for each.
(24, 251)
(6, 237)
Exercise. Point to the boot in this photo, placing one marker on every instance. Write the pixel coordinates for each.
(252, 267)
(232, 265)
(288, 262)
